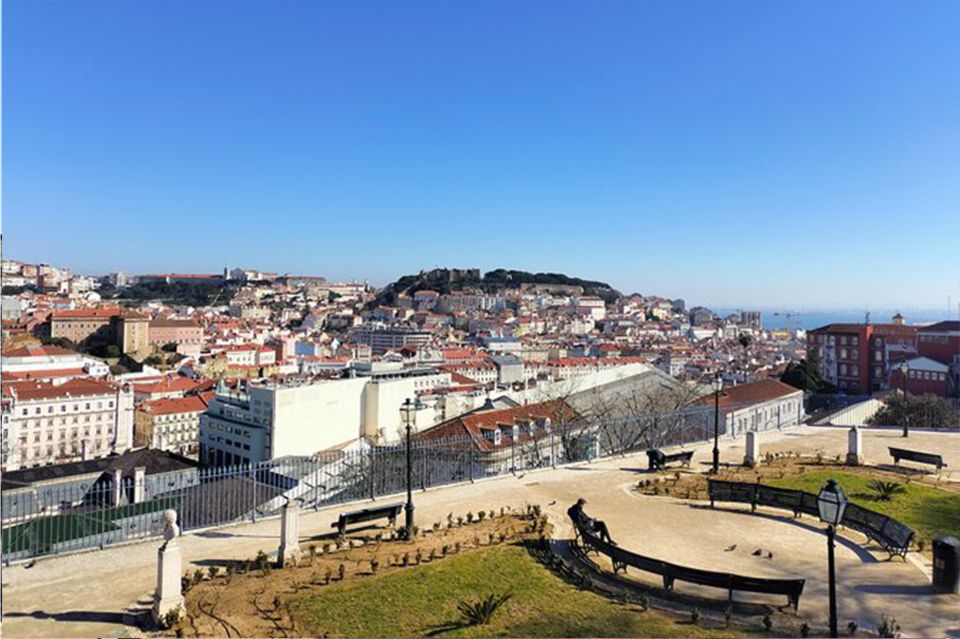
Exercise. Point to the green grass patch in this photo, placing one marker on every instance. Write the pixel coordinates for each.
(927, 510)
(423, 601)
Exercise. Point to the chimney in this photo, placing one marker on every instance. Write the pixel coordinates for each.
(139, 484)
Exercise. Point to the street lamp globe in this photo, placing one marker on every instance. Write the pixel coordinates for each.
(831, 502)
(407, 411)
(718, 383)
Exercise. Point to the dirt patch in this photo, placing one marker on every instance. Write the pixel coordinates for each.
(251, 598)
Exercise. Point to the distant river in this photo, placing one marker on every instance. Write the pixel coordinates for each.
(815, 318)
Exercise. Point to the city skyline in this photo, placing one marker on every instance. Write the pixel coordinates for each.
(735, 156)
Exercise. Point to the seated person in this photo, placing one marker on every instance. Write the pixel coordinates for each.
(577, 515)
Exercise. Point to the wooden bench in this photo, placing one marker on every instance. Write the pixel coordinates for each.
(389, 511)
(670, 572)
(894, 536)
(658, 459)
(917, 456)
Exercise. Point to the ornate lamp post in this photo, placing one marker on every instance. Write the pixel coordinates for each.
(831, 503)
(904, 370)
(717, 389)
(408, 411)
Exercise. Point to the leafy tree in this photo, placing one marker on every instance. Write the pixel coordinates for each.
(805, 375)
(928, 411)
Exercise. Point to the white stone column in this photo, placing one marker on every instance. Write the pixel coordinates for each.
(139, 484)
(289, 552)
(169, 569)
(753, 450)
(117, 493)
(854, 447)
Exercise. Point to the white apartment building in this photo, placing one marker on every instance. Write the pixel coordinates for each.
(260, 421)
(79, 419)
(758, 406)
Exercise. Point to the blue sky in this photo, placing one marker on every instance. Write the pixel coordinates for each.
(793, 154)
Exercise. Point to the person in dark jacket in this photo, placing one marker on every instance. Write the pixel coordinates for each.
(577, 515)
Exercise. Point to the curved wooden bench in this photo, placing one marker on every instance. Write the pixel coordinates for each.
(894, 536)
(670, 572)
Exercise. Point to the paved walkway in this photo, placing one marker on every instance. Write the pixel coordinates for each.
(85, 595)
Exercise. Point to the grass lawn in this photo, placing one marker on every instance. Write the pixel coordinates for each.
(423, 600)
(927, 510)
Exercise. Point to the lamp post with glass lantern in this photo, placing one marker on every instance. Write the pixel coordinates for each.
(904, 370)
(831, 504)
(408, 411)
(717, 388)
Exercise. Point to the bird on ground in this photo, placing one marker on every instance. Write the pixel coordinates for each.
(757, 552)
(730, 548)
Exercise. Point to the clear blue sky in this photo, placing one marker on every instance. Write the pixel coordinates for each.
(732, 153)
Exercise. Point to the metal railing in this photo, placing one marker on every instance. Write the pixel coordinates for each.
(51, 518)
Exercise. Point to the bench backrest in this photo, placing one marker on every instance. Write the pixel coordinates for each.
(916, 455)
(371, 513)
(857, 517)
(790, 587)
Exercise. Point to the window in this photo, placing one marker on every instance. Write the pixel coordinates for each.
(853, 340)
(843, 369)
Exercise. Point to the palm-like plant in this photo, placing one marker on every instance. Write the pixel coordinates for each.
(478, 613)
(885, 490)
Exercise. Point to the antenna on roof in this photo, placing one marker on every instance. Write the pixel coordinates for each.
(867, 318)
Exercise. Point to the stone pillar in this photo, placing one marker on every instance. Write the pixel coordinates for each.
(139, 484)
(854, 447)
(753, 450)
(169, 569)
(289, 552)
(116, 495)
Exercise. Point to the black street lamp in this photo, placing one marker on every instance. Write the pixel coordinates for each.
(717, 389)
(831, 503)
(904, 370)
(408, 411)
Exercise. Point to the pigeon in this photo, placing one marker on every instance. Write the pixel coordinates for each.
(552, 502)
(769, 555)
(730, 548)
(757, 552)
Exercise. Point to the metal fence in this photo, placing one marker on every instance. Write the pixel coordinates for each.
(66, 517)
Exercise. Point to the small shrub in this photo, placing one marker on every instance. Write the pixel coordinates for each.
(503, 511)
(921, 544)
(476, 541)
(727, 615)
(414, 531)
(885, 490)
(644, 601)
(406, 559)
(470, 518)
(327, 548)
(490, 538)
(213, 571)
(419, 556)
(694, 615)
(478, 613)
(436, 526)
(481, 515)
(444, 550)
(312, 548)
(456, 548)
(374, 565)
(852, 628)
(767, 622)
(185, 584)
(170, 619)
(888, 628)
(804, 629)
(459, 521)
(433, 554)
(342, 571)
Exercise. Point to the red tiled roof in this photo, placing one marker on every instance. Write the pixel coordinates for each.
(78, 387)
(474, 425)
(36, 350)
(753, 393)
(88, 313)
(170, 406)
(168, 385)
